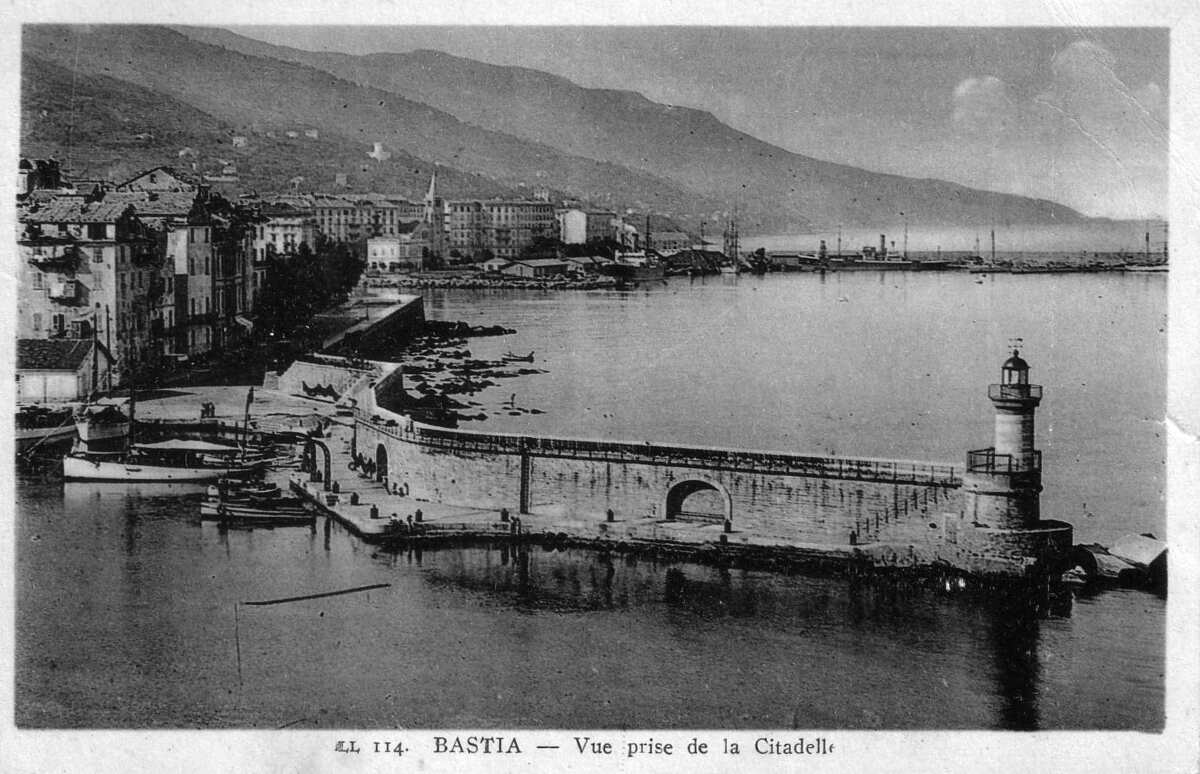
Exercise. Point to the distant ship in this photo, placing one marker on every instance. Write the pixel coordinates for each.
(869, 259)
(634, 267)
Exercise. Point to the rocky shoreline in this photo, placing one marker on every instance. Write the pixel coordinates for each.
(440, 369)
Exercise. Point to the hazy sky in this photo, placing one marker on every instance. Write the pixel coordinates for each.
(1074, 115)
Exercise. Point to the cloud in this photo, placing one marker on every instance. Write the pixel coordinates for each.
(1086, 91)
(982, 105)
(1083, 136)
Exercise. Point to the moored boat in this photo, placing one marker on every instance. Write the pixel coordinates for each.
(285, 509)
(176, 460)
(102, 427)
(257, 511)
(38, 426)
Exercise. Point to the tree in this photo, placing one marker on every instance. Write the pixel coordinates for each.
(542, 247)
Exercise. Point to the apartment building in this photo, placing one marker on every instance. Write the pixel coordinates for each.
(89, 268)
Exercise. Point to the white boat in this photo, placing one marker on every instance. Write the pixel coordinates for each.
(177, 460)
(102, 426)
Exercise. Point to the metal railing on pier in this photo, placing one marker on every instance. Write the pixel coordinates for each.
(888, 471)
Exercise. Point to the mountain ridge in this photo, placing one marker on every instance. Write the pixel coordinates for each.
(517, 128)
(538, 106)
(245, 91)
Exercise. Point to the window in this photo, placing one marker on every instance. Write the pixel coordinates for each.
(97, 231)
(37, 321)
(60, 323)
(97, 255)
(37, 280)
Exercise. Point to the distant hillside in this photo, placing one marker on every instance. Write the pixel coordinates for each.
(774, 188)
(254, 95)
(101, 127)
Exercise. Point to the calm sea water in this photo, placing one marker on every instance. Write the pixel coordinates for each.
(127, 606)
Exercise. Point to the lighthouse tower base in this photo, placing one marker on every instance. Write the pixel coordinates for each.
(1041, 548)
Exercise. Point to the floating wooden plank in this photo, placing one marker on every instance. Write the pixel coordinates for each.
(319, 596)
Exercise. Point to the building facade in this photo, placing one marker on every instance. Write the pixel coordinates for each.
(406, 251)
(87, 269)
(671, 242)
(500, 227)
(578, 226)
(285, 224)
(60, 370)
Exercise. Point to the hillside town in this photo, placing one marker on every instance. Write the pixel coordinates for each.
(161, 270)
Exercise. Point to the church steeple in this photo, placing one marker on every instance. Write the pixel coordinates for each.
(435, 217)
(431, 196)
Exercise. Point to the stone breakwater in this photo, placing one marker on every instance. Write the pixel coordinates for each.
(883, 512)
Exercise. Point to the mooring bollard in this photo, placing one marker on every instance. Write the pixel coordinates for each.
(728, 526)
(335, 487)
(503, 514)
(609, 515)
(374, 511)
(354, 498)
(724, 539)
(417, 515)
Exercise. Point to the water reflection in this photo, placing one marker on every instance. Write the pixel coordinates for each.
(945, 634)
(1014, 633)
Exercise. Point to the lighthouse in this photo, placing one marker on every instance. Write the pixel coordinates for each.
(1003, 483)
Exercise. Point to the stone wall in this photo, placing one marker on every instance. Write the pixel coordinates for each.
(798, 508)
(891, 523)
(329, 377)
(385, 329)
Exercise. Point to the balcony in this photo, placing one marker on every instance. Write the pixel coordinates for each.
(56, 260)
(988, 461)
(69, 292)
(1015, 391)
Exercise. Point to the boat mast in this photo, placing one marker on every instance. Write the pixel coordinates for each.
(132, 409)
(246, 422)
(95, 356)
